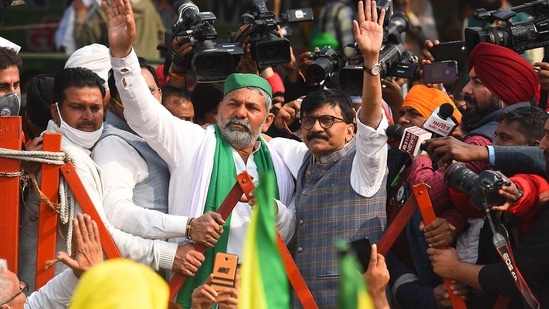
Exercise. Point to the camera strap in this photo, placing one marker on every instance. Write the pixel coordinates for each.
(500, 239)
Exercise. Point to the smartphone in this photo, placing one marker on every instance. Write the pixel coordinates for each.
(453, 50)
(362, 248)
(440, 72)
(224, 271)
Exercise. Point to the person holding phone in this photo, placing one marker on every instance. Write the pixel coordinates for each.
(205, 296)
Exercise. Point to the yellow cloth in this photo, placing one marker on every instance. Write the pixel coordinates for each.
(120, 283)
(425, 100)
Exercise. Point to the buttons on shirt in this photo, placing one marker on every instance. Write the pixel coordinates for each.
(299, 249)
(300, 222)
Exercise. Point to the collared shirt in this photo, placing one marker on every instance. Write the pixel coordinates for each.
(185, 147)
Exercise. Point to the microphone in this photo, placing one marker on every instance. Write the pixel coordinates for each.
(440, 122)
(186, 10)
(410, 138)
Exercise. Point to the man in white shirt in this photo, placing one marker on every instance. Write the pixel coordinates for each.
(136, 184)
(203, 163)
(78, 115)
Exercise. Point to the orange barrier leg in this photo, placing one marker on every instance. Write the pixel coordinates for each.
(10, 138)
(47, 222)
(428, 215)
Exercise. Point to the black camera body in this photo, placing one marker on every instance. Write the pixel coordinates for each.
(208, 60)
(393, 58)
(482, 188)
(326, 63)
(268, 48)
(520, 36)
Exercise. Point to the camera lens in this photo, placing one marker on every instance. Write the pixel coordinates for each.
(212, 65)
(460, 178)
(208, 63)
(271, 51)
(319, 69)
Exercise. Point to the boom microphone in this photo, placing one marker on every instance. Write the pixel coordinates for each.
(440, 122)
(186, 10)
(410, 138)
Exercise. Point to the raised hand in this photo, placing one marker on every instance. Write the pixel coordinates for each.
(121, 27)
(86, 243)
(368, 29)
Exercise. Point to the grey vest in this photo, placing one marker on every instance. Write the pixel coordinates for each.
(327, 208)
(152, 192)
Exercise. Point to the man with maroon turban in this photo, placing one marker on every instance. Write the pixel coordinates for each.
(499, 80)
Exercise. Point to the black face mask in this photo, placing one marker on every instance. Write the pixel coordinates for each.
(10, 104)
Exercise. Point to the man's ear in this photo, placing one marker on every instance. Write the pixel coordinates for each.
(535, 143)
(351, 130)
(268, 121)
(55, 114)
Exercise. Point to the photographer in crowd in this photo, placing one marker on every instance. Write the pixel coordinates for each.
(529, 261)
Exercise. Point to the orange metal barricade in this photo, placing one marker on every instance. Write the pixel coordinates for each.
(11, 138)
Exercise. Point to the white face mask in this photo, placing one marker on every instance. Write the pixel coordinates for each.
(79, 137)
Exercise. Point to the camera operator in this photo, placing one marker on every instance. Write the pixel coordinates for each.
(520, 200)
(492, 69)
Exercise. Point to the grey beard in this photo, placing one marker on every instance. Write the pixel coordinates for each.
(236, 138)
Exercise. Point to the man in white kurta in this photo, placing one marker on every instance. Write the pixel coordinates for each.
(189, 150)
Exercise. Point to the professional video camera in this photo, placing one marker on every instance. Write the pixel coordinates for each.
(520, 36)
(326, 63)
(268, 48)
(208, 60)
(393, 58)
(482, 188)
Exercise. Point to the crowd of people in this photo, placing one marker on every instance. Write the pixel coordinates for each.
(158, 158)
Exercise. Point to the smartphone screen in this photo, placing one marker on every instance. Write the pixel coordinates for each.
(224, 270)
(454, 50)
(363, 248)
(440, 72)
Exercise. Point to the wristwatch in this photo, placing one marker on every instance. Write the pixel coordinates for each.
(518, 196)
(373, 70)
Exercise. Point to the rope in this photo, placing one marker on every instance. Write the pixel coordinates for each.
(12, 174)
(48, 157)
(66, 212)
(65, 208)
(41, 196)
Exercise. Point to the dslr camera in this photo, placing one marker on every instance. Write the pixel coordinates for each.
(208, 60)
(268, 48)
(327, 62)
(519, 36)
(393, 58)
(482, 188)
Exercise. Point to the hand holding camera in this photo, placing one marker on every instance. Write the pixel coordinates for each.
(485, 190)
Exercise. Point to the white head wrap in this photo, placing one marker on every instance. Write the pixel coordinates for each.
(95, 57)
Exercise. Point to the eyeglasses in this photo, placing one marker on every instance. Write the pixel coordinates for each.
(326, 121)
(23, 287)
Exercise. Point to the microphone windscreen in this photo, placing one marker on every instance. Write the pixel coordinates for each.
(446, 110)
